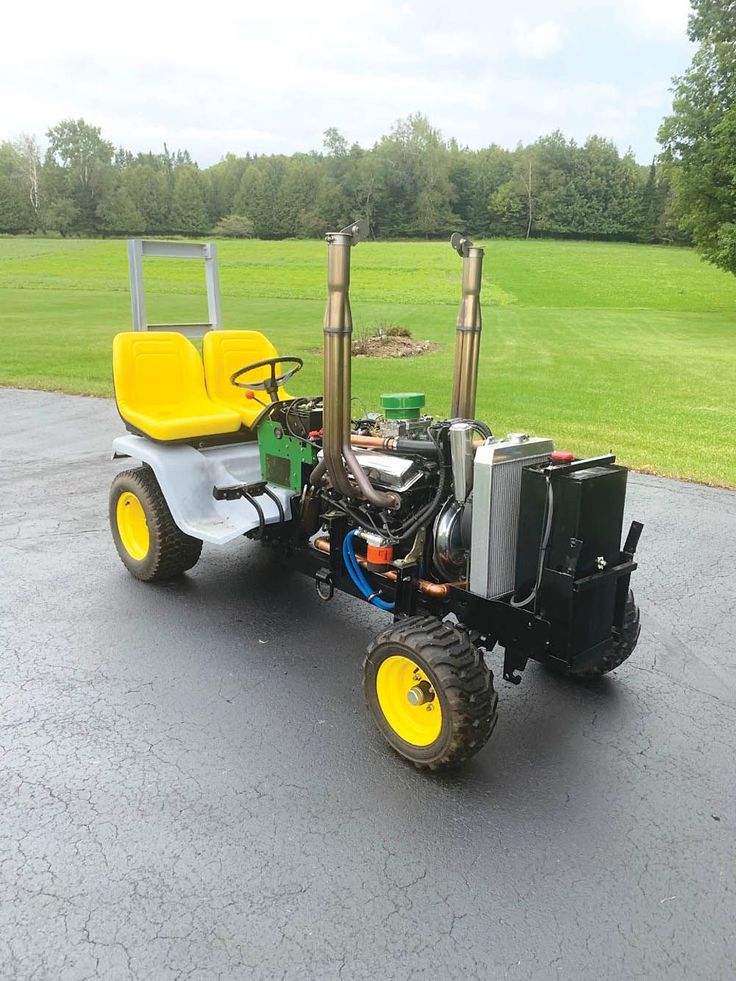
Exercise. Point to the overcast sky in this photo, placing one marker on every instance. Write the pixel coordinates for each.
(271, 77)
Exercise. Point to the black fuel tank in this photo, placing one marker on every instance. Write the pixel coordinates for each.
(587, 505)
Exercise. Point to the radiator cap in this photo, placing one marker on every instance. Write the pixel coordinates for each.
(517, 437)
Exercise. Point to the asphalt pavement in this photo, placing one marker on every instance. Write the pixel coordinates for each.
(191, 787)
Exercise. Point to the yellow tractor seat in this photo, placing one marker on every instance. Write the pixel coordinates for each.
(160, 390)
(225, 351)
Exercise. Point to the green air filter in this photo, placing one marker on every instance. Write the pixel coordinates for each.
(402, 405)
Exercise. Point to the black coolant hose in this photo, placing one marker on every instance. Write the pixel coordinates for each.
(425, 516)
(483, 430)
(428, 513)
(418, 447)
(547, 530)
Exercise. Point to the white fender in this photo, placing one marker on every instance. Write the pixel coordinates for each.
(187, 477)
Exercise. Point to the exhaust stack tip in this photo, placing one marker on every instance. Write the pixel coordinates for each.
(465, 247)
(460, 243)
(356, 230)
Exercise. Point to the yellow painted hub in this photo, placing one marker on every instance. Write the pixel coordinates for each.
(132, 526)
(397, 677)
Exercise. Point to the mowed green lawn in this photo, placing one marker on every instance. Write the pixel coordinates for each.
(602, 346)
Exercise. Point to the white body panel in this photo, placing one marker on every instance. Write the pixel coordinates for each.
(187, 477)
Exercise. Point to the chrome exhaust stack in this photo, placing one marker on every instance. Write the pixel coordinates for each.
(469, 325)
(339, 461)
(462, 454)
(450, 554)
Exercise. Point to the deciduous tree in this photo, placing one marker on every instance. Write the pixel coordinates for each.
(699, 137)
(86, 160)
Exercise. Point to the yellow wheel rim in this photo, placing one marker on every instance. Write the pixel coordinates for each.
(132, 526)
(408, 701)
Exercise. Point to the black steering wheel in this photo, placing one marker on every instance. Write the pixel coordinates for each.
(271, 384)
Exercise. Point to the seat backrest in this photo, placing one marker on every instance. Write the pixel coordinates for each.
(156, 370)
(225, 351)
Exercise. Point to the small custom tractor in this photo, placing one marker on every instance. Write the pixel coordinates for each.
(468, 540)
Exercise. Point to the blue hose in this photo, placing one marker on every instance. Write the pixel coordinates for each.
(356, 574)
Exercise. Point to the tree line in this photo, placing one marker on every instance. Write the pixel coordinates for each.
(411, 183)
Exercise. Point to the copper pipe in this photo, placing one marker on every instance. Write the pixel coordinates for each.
(438, 589)
(388, 442)
(469, 325)
(380, 442)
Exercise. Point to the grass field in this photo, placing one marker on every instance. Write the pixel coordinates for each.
(599, 345)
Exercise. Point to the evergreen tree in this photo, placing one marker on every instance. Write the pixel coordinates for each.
(188, 207)
(262, 198)
(650, 206)
(148, 190)
(118, 213)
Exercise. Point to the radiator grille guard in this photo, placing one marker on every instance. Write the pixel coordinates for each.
(496, 496)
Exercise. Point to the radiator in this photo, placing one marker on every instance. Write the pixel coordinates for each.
(496, 496)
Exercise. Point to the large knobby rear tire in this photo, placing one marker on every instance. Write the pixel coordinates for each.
(149, 543)
(430, 692)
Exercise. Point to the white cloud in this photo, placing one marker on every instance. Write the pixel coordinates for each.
(654, 17)
(277, 76)
(452, 44)
(538, 41)
(655, 95)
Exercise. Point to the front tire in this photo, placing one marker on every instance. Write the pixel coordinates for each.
(430, 692)
(151, 546)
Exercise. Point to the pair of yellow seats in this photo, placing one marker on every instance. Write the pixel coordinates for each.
(164, 390)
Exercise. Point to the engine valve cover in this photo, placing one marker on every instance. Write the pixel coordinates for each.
(390, 472)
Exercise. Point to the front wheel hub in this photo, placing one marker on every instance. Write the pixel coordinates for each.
(407, 700)
(420, 694)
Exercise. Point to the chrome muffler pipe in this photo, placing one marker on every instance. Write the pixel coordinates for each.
(469, 325)
(461, 454)
(339, 461)
(338, 326)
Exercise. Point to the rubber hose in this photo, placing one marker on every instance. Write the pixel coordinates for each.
(356, 574)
